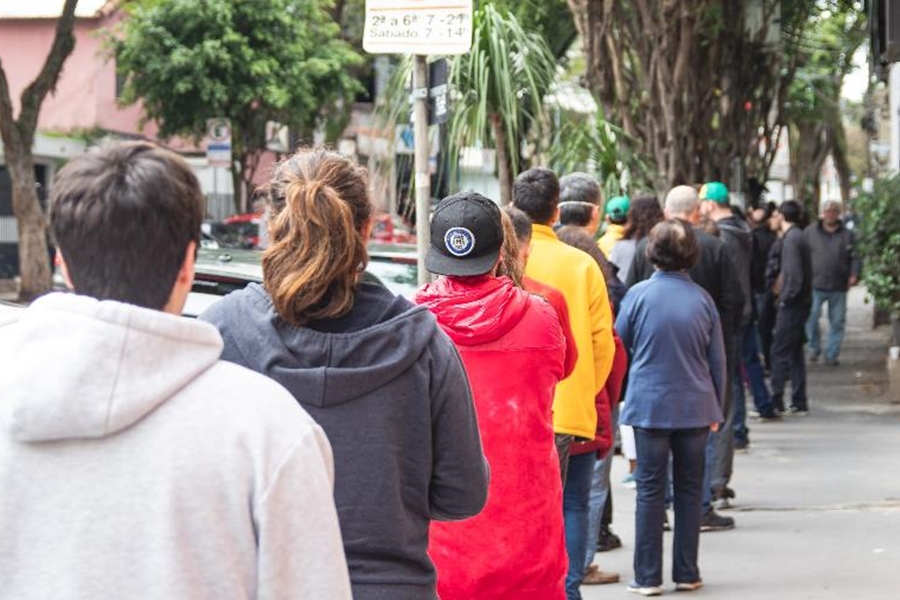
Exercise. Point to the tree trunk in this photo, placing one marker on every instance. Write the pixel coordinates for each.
(504, 168)
(34, 259)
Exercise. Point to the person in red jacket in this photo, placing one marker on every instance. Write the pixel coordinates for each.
(512, 346)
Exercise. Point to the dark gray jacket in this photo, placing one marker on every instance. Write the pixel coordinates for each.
(739, 245)
(834, 257)
(713, 272)
(390, 391)
(796, 271)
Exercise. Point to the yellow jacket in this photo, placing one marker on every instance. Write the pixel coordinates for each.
(577, 276)
(609, 238)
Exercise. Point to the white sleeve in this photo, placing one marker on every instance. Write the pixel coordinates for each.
(301, 554)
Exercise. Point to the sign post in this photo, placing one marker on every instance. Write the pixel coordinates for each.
(419, 27)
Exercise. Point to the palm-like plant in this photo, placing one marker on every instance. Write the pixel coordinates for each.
(501, 84)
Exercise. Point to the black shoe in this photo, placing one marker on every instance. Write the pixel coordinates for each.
(770, 415)
(832, 362)
(608, 541)
(666, 526)
(713, 521)
(796, 411)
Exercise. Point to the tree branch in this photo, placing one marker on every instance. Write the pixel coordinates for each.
(34, 94)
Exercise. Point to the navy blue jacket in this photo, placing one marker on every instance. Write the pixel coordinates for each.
(671, 328)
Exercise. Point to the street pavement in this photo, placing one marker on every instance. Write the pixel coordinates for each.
(818, 498)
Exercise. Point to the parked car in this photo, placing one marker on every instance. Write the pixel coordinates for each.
(389, 228)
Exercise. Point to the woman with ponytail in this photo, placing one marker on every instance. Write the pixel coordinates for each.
(377, 373)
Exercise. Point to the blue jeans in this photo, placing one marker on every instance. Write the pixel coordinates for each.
(688, 447)
(597, 499)
(837, 316)
(748, 346)
(575, 516)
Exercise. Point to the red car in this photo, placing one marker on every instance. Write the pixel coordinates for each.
(391, 229)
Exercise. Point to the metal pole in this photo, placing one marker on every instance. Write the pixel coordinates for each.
(422, 177)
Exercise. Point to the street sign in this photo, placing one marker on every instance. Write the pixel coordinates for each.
(418, 27)
(218, 142)
(438, 92)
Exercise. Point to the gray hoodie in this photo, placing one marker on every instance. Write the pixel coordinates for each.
(135, 464)
(389, 388)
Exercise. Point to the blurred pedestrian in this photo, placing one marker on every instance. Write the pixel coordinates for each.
(793, 296)
(377, 373)
(145, 467)
(835, 269)
(764, 238)
(677, 386)
(616, 214)
(499, 327)
(579, 202)
(643, 214)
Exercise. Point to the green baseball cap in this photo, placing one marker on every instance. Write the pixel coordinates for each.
(617, 208)
(715, 191)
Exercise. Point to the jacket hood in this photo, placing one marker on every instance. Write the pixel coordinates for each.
(477, 310)
(75, 367)
(737, 228)
(330, 368)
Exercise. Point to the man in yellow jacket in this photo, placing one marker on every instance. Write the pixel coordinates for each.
(577, 276)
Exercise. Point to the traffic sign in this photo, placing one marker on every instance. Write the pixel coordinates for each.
(218, 142)
(418, 27)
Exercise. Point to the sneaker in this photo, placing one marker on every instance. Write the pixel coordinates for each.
(649, 590)
(629, 481)
(594, 576)
(741, 446)
(832, 362)
(753, 414)
(772, 415)
(712, 521)
(608, 541)
(813, 357)
(689, 587)
(722, 504)
(666, 525)
(795, 411)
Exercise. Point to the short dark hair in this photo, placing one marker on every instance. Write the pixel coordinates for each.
(672, 246)
(536, 192)
(520, 221)
(791, 211)
(575, 213)
(123, 217)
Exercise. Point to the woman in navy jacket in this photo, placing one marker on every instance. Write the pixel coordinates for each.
(671, 329)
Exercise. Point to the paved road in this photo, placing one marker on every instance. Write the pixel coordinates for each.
(818, 506)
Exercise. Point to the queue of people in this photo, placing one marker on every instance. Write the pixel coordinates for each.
(315, 436)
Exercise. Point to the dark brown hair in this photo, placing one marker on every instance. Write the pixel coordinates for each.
(319, 207)
(509, 251)
(123, 217)
(644, 213)
(672, 246)
(536, 193)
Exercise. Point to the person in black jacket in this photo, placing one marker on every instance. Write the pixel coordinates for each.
(715, 273)
(764, 238)
(835, 269)
(792, 288)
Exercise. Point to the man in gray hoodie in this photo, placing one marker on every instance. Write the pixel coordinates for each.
(133, 462)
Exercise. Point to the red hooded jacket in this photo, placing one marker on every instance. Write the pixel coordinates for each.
(513, 348)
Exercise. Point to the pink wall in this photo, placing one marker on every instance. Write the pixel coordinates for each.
(85, 94)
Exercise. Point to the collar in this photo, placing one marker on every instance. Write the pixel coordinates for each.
(543, 231)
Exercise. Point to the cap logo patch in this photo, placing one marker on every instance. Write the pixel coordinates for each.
(459, 241)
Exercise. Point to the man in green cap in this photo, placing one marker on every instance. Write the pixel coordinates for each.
(616, 212)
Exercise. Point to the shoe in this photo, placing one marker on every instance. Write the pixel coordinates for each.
(666, 525)
(741, 446)
(724, 492)
(794, 411)
(772, 415)
(753, 414)
(608, 541)
(650, 590)
(832, 362)
(689, 587)
(712, 521)
(813, 357)
(594, 576)
(629, 482)
(722, 498)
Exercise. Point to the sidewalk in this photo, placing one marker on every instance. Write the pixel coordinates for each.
(818, 498)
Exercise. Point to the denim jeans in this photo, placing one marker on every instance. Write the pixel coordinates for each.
(575, 515)
(597, 499)
(837, 316)
(749, 363)
(688, 448)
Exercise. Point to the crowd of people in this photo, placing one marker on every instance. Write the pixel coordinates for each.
(315, 436)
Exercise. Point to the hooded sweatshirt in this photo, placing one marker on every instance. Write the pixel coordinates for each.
(135, 464)
(739, 247)
(513, 348)
(389, 389)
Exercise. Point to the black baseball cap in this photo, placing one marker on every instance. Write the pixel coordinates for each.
(466, 235)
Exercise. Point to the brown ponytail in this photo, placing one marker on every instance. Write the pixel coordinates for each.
(509, 252)
(319, 206)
